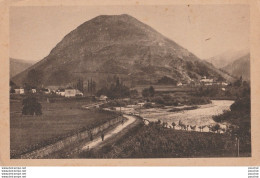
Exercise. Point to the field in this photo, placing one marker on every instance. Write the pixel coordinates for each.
(58, 121)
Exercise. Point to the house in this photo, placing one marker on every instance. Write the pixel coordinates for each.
(224, 83)
(33, 90)
(179, 84)
(177, 127)
(72, 93)
(103, 98)
(46, 90)
(206, 81)
(60, 92)
(79, 93)
(146, 122)
(188, 128)
(19, 91)
(197, 129)
(206, 129)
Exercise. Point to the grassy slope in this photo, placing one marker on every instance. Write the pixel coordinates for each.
(158, 142)
(58, 120)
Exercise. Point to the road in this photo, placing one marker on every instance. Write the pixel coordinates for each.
(97, 141)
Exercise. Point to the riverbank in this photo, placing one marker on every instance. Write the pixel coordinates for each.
(200, 117)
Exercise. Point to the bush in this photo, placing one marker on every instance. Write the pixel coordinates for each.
(148, 92)
(31, 106)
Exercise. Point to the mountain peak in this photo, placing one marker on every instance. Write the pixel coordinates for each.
(117, 44)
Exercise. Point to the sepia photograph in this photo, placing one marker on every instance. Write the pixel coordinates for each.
(124, 81)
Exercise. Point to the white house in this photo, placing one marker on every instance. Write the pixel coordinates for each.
(72, 93)
(206, 81)
(206, 129)
(19, 91)
(224, 83)
(188, 128)
(197, 129)
(146, 122)
(33, 90)
(177, 127)
(60, 92)
(179, 84)
(103, 98)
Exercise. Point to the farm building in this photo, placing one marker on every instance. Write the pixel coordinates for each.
(206, 81)
(72, 93)
(33, 90)
(60, 92)
(19, 91)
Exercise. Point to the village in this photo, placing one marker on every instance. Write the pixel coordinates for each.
(75, 92)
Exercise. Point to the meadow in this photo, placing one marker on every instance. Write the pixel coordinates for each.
(59, 120)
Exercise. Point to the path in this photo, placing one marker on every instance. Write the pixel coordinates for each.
(92, 105)
(119, 128)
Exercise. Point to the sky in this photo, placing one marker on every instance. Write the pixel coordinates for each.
(205, 30)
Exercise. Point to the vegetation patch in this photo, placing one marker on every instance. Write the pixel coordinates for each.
(183, 108)
(154, 141)
(58, 121)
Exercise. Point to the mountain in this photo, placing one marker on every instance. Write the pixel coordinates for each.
(240, 67)
(110, 46)
(18, 65)
(227, 57)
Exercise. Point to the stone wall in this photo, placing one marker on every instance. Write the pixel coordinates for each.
(46, 150)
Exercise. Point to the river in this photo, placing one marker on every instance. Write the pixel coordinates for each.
(200, 116)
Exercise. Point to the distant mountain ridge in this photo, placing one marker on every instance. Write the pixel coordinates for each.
(120, 45)
(240, 67)
(227, 57)
(18, 65)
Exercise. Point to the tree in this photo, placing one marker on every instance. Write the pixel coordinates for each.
(239, 82)
(173, 124)
(79, 85)
(151, 91)
(31, 106)
(148, 92)
(215, 128)
(145, 93)
(117, 90)
(134, 93)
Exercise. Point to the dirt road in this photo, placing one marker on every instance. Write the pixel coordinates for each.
(111, 133)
